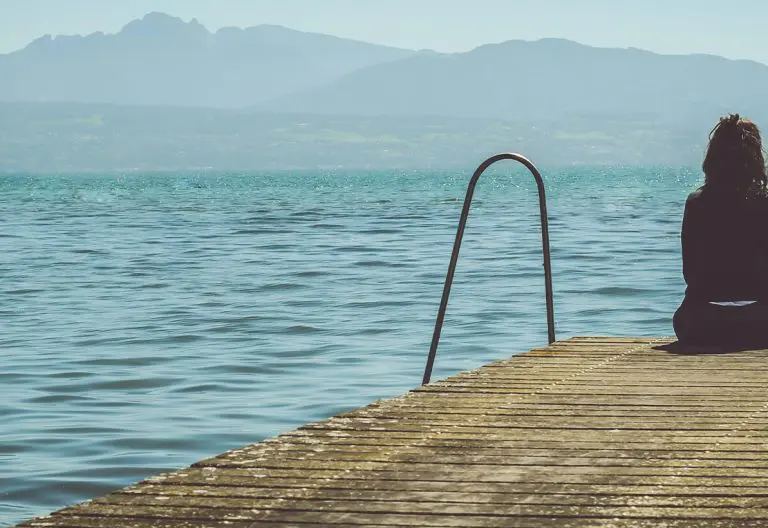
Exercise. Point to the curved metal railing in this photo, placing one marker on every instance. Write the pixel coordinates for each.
(457, 246)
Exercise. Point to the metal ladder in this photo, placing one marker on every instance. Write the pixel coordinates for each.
(457, 246)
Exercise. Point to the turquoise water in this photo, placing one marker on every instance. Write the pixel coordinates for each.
(150, 320)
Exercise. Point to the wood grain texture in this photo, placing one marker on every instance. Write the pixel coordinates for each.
(588, 432)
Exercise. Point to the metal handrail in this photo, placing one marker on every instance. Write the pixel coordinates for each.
(457, 246)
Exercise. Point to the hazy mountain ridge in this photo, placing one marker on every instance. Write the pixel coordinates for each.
(545, 79)
(161, 60)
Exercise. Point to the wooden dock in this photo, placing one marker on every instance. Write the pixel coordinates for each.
(588, 432)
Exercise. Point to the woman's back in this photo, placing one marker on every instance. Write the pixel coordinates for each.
(725, 246)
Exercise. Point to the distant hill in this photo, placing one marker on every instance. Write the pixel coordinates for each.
(161, 60)
(546, 79)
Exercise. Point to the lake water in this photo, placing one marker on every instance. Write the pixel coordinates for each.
(151, 320)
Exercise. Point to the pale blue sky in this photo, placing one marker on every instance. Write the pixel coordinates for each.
(735, 29)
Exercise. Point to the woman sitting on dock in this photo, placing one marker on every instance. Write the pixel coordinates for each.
(725, 243)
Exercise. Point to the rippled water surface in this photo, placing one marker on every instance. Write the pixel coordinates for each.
(150, 320)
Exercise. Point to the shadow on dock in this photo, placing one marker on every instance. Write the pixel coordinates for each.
(695, 350)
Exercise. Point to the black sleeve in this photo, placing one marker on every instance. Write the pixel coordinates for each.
(687, 239)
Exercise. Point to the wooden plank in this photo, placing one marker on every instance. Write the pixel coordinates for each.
(393, 521)
(273, 488)
(233, 508)
(590, 431)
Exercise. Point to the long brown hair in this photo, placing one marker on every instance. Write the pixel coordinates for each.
(734, 158)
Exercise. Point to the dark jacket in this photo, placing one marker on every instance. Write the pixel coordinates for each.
(725, 246)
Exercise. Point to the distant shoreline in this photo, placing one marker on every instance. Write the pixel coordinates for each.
(75, 138)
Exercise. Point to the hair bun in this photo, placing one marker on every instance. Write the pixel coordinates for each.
(731, 119)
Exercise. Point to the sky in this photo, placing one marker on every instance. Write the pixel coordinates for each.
(734, 29)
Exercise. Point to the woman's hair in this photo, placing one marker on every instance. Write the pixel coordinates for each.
(734, 158)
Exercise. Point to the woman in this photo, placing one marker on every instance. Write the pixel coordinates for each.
(725, 243)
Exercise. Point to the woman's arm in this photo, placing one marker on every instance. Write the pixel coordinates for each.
(687, 240)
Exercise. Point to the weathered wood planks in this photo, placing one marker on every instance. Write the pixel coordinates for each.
(588, 432)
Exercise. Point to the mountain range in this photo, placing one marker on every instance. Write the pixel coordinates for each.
(161, 60)
(178, 89)
(545, 79)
